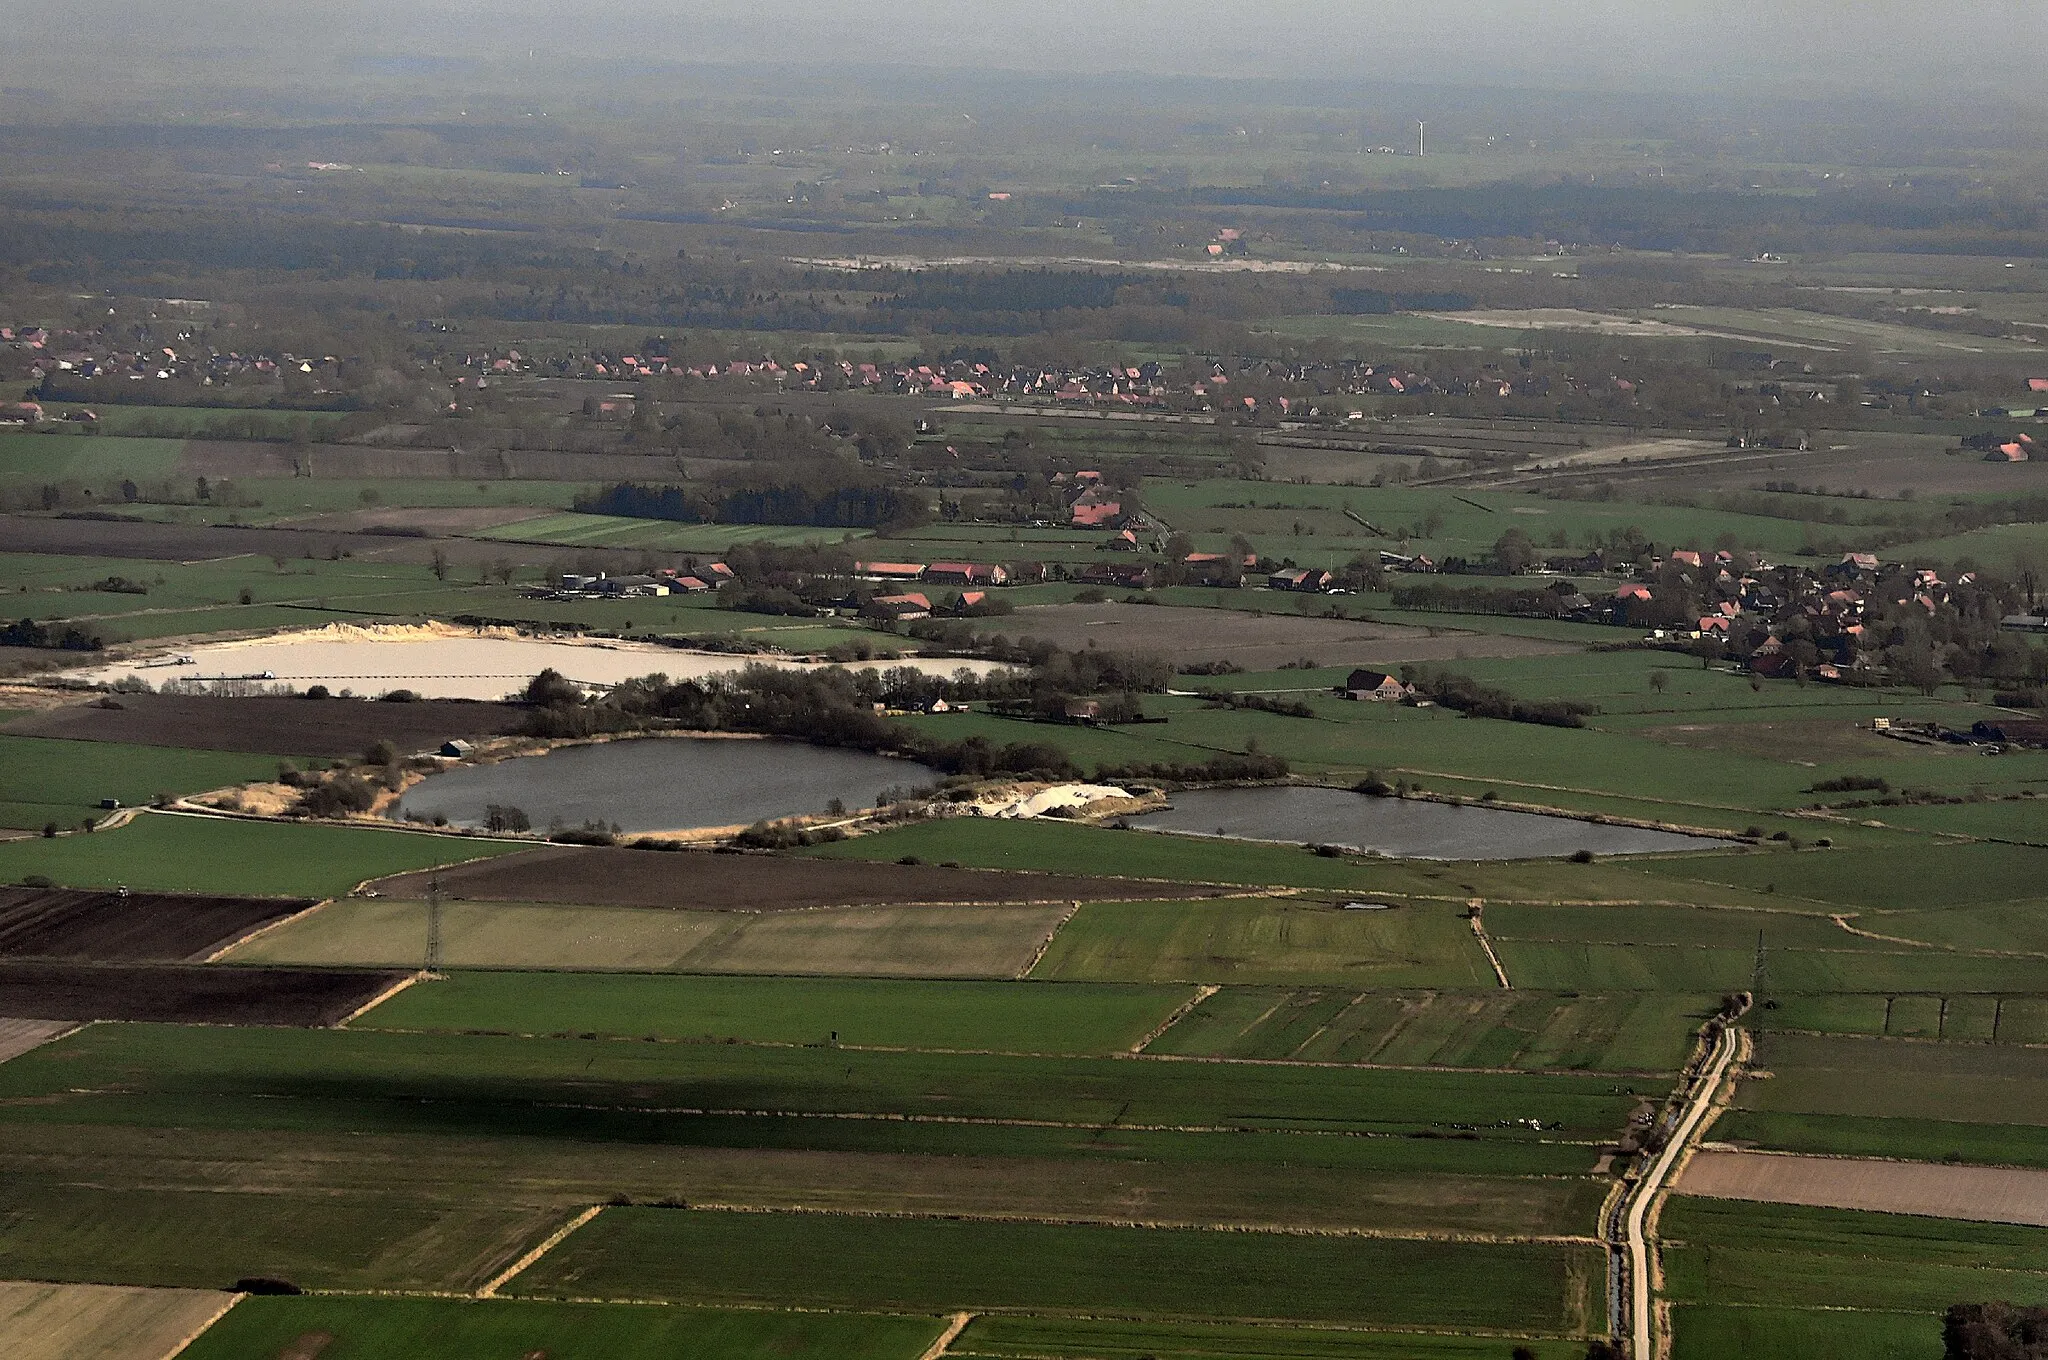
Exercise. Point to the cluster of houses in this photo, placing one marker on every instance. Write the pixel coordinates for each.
(1781, 621)
(1144, 385)
(668, 581)
(75, 356)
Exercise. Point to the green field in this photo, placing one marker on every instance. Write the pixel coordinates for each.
(1727, 1331)
(167, 852)
(1000, 1337)
(207, 1236)
(835, 1261)
(1266, 941)
(1878, 1097)
(1447, 1029)
(351, 1079)
(35, 458)
(1965, 1017)
(461, 1329)
(47, 780)
(1729, 1252)
(1018, 1017)
(864, 941)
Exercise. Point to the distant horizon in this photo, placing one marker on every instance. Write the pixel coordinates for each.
(1886, 49)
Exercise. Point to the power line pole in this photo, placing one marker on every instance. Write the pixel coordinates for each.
(1756, 972)
(433, 969)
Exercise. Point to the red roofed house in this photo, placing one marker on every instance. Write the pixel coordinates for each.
(1686, 557)
(2014, 452)
(1094, 508)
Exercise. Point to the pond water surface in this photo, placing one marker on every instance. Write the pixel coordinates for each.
(663, 784)
(1404, 828)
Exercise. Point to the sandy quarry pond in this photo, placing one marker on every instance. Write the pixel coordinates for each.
(664, 784)
(439, 663)
(1404, 828)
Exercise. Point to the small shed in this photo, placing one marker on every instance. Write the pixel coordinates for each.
(456, 748)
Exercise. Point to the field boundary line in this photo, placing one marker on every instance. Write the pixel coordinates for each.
(954, 1326)
(379, 999)
(1045, 945)
(203, 1328)
(549, 1243)
(232, 945)
(1181, 1012)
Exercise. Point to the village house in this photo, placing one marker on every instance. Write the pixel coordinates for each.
(1370, 686)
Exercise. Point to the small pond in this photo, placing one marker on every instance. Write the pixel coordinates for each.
(1403, 828)
(663, 784)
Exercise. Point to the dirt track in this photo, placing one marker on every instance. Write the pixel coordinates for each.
(285, 727)
(69, 923)
(703, 881)
(1985, 1194)
(188, 994)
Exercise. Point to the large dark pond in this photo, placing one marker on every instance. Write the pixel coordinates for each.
(665, 784)
(1407, 829)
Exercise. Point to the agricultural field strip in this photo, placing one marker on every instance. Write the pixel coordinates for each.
(1881, 1185)
(1127, 1221)
(1132, 1056)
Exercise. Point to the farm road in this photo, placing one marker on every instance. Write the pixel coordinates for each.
(1635, 1233)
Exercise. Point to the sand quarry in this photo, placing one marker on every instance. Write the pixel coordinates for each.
(438, 661)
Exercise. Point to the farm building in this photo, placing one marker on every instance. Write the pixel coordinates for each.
(457, 748)
(1370, 686)
(902, 608)
(891, 571)
(1303, 579)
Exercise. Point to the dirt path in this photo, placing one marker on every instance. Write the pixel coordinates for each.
(1180, 1013)
(553, 1240)
(20, 1036)
(1636, 1240)
(1486, 942)
(954, 1326)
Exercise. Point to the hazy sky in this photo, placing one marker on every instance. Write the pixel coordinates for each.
(1887, 46)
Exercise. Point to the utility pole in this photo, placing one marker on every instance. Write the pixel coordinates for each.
(433, 969)
(1419, 126)
(1756, 973)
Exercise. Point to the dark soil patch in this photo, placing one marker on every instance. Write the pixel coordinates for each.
(285, 727)
(188, 994)
(71, 923)
(697, 880)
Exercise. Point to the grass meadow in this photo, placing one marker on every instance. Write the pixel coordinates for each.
(44, 779)
(164, 852)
